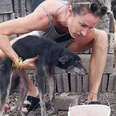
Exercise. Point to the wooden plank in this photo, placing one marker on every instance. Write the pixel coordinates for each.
(6, 17)
(113, 107)
(111, 43)
(79, 84)
(59, 83)
(59, 79)
(65, 82)
(110, 83)
(17, 8)
(6, 6)
(104, 83)
(85, 83)
(113, 75)
(23, 8)
(73, 81)
(28, 6)
(12, 16)
(109, 63)
(111, 22)
(1, 18)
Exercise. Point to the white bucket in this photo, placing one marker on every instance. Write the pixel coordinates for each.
(89, 110)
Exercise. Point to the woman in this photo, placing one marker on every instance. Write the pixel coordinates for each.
(69, 22)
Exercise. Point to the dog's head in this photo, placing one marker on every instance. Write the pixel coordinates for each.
(71, 62)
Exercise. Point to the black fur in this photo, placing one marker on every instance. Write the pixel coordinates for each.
(49, 54)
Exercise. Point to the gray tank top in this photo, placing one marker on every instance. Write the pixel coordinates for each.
(51, 33)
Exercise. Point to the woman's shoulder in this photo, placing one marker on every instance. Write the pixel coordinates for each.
(93, 33)
(51, 5)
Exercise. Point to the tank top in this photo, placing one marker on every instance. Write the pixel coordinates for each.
(51, 33)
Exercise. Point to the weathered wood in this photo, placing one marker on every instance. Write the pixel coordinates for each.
(6, 6)
(113, 75)
(59, 83)
(113, 106)
(1, 18)
(104, 83)
(109, 63)
(16, 8)
(85, 84)
(111, 43)
(23, 7)
(59, 74)
(110, 84)
(65, 82)
(79, 84)
(73, 81)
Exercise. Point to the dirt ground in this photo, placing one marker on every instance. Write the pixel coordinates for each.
(111, 99)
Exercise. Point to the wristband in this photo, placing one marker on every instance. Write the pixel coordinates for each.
(18, 63)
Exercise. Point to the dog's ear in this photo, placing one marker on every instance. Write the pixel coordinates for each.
(63, 59)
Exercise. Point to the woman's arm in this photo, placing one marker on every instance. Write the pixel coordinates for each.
(2, 54)
(37, 20)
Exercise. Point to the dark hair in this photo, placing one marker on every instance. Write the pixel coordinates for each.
(96, 7)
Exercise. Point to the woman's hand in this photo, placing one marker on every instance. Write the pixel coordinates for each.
(28, 64)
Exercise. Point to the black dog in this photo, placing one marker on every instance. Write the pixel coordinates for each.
(50, 54)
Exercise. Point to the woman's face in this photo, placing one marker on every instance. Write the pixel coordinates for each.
(80, 25)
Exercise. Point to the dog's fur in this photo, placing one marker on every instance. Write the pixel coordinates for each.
(50, 54)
